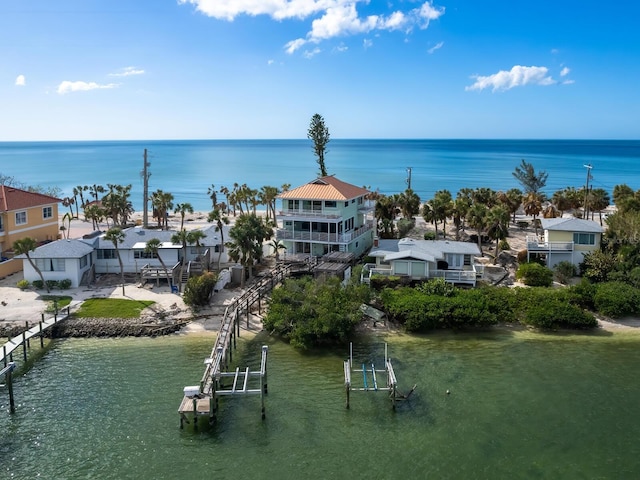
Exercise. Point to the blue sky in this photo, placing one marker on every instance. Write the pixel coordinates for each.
(243, 69)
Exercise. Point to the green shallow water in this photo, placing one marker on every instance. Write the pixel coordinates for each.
(522, 405)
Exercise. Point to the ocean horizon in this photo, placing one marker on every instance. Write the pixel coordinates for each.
(187, 168)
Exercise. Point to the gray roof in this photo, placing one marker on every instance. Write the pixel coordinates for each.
(136, 235)
(428, 250)
(72, 248)
(571, 225)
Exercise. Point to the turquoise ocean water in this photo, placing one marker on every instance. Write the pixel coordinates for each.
(187, 168)
(522, 406)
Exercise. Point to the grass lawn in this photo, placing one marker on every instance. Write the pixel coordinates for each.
(111, 308)
(62, 300)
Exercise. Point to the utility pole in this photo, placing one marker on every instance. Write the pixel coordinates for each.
(145, 192)
(409, 178)
(586, 192)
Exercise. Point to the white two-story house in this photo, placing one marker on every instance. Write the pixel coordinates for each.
(325, 215)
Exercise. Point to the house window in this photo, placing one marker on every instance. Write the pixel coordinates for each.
(360, 200)
(330, 204)
(50, 264)
(143, 254)
(1, 224)
(107, 254)
(348, 225)
(47, 212)
(584, 238)
(353, 201)
(21, 218)
(84, 261)
(217, 249)
(294, 204)
(346, 204)
(317, 206)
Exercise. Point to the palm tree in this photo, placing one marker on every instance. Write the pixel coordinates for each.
(116, 236)
(161, 202)
(153, 247)
(385, 213)
(68, 202)
(94, 212)
(498, 226)
(512, 199)
(183, 209)
(24, 246)
(477, 218)
(68, 218)
(218, 216)
(213, 195)
(194, 237)
(277, 245)
(247, 234)
(598, 201)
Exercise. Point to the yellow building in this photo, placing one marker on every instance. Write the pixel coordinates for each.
(25, 214)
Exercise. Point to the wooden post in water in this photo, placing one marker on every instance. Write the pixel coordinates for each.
(28, 340)
(247, 314)
(24, 345)
(41, 336)
(4, 354)
(6, 371)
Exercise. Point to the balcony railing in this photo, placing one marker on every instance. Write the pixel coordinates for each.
(292, 212)
(323, 237)
(535, 244)
(453, 276)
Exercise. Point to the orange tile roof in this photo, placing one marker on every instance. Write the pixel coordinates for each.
(12, 198)
(325, 188)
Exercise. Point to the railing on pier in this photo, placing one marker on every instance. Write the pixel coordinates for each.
(24, 340)
(203, 399)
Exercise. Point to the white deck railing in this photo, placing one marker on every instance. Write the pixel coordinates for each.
(535, 244)
(454, 276)
(285, 234)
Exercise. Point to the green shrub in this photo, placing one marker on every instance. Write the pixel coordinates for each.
(504, 245)
(23, 284)
(38, 284)
(379, 282)
(52, 284)
(555, 314)
(582, 294)
(64, 284)
(199, 289)
(437, 286)
(597, 265)
(564, 271)
(429, 235)
(405, 225)
(617, 299)
(535, 275)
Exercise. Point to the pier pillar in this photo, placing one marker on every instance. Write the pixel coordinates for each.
(41, 336)
(28, 340)
(24, 346)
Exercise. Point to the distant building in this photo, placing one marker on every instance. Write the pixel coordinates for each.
(325, 215)
(565, 239)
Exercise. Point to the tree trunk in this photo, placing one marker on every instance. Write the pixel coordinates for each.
(39, 272)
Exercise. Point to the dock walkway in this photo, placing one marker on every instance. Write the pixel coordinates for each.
(203, 399)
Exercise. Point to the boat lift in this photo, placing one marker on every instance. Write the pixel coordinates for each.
(370, 382)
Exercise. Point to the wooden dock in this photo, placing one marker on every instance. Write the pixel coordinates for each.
(24, 340)
(203, 399)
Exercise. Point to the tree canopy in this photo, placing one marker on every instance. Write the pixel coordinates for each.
(319, 134)
(531, 181)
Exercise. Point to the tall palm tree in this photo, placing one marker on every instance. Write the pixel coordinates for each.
(213, 195)
(385, 213)
(194, 237)
(218, 216)
(183, 209)
(532, 205)
(498, 226)
(409, 203)
(248, 234)
(598, 200)
(116, 236)
(68, 218)
(153, 247)
(24, 246)
(162, 202)
(277, 245)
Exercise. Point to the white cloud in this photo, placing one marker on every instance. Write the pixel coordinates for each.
(68, 87)
(518, 76)
(21, 81)
(564, 72)
(128, 71)
(311, 53)
(333, 18)
(568, 82)
(437, 46)
(367, 43)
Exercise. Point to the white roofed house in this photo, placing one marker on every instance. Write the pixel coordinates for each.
(61, 260)
(565, 239)
(325, 215)
(425, 259)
